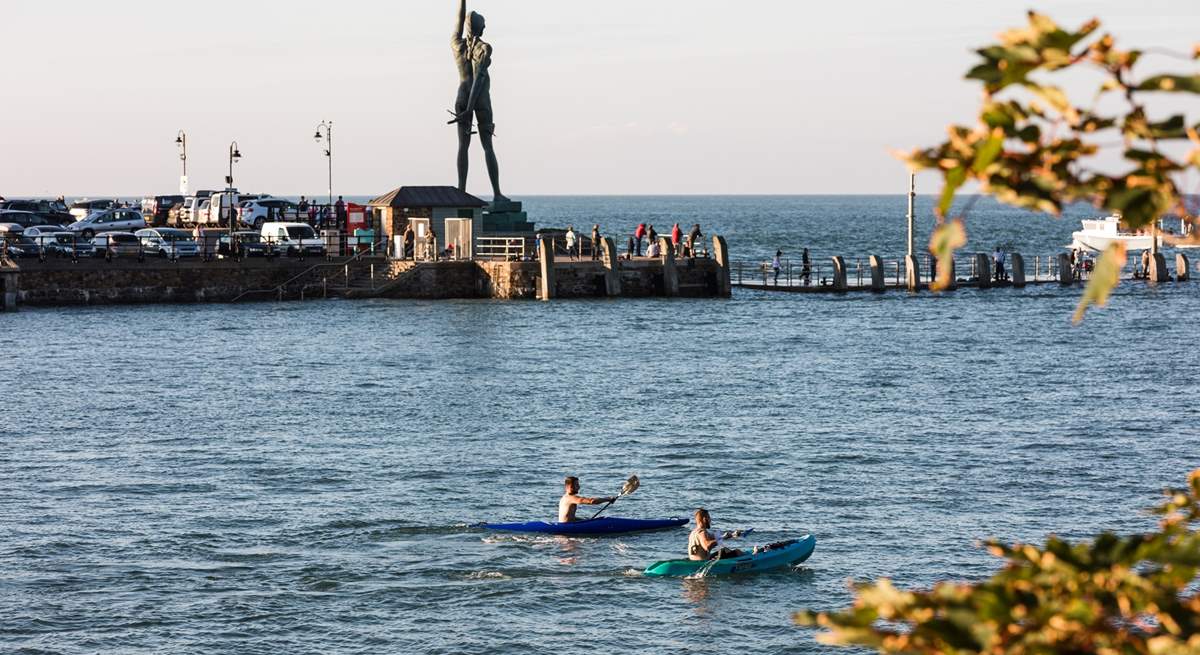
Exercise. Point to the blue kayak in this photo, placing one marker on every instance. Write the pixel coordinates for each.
(603, 525)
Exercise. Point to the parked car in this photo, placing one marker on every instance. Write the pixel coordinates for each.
(20, 246)
(250, 243)
(253, 213)
(82, 208)
(156, 209)
(117, 244)
(44, 234)
(22, 218)
(292, 239)
(168, 242)
(108, 221)
(11, 228)
(47, 211)
(66, 244)
(190, 212)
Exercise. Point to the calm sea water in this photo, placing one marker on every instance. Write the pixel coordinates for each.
(302, 477)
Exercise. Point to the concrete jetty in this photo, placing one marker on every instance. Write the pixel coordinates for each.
(57, 282)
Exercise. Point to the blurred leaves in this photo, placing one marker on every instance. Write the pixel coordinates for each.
(1033, 146)
(1104, 280)
(946, 238)
(1111, 595)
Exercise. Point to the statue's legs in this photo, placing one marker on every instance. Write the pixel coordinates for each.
(464, 159)
(487, 129)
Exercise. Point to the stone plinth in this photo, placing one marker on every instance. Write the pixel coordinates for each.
(670, 277)
(721, 252)
(1066, 272)
(546, 257)
(612, 276)
(1182, 272)
(506, 216)
(1158, 269)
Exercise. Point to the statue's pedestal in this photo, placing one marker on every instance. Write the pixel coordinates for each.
(506, 216)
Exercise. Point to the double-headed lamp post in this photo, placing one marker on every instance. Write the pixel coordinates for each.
(327, 137)
(234, 156)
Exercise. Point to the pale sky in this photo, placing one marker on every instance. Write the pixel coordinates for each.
(612, 97)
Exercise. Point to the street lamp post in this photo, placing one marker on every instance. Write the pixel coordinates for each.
(181, 141)
(327, 126)
(234, 156)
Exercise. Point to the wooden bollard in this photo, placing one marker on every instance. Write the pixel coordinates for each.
(546, 256)
(721, 252)
(877, 280)
(670, 274)
(1158, 269)
(1182, 274)
(983, 270)
(1066, 273)
(612, 268)
(1018, 270)
(912, 273)
(839, 273)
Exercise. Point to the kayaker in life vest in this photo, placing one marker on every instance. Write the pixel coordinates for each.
(571, 499)
(705, 543)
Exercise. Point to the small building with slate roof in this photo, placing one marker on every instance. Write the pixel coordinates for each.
(454, 216)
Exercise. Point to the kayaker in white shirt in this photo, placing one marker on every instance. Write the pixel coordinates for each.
(705, 543)
(571, 499)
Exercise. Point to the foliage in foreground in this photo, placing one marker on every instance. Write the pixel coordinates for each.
(1034, 147)
(1131, 595)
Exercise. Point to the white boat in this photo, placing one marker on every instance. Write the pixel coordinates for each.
(1098, 234)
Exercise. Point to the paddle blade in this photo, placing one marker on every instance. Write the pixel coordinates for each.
(631, 485)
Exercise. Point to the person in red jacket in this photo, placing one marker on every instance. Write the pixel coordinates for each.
(676, 237)
(638, 235)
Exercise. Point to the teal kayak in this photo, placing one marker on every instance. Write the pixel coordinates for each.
(774, 556)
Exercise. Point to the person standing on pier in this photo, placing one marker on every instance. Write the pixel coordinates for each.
(638, 235)
(651, 234)
(805, 267)
(676, 238)
(430, 245)
(340, 212)
(595, 242)
(570, 239)
(998, 260)
(776, 264)
(694, 235)
(407, 243)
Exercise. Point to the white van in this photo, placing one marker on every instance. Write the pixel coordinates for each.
(221, 206)
(292, 239)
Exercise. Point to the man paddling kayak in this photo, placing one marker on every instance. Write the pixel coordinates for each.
(571, 499)
(704, 543)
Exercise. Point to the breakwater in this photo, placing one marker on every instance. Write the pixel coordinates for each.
(60, 282)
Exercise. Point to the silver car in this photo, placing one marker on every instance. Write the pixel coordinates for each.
(109, 220)
(117, 244)
(168, 242)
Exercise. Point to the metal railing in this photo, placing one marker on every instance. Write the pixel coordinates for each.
(281, 289)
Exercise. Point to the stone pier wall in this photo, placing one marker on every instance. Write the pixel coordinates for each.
(90, 282)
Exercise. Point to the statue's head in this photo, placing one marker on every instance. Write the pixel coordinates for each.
(475, 25)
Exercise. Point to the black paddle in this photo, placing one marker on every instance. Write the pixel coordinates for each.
(631, 485)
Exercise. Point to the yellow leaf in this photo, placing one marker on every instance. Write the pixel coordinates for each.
(1104, 280)
(946, 238)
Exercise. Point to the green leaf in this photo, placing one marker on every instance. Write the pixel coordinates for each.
(954, 180)
(986, 154)
(1104, 279)
(946, 238)
(1171, 83)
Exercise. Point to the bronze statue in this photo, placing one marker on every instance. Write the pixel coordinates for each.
(473, 57)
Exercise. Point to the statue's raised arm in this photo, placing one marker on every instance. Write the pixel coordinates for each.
(460, 21)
